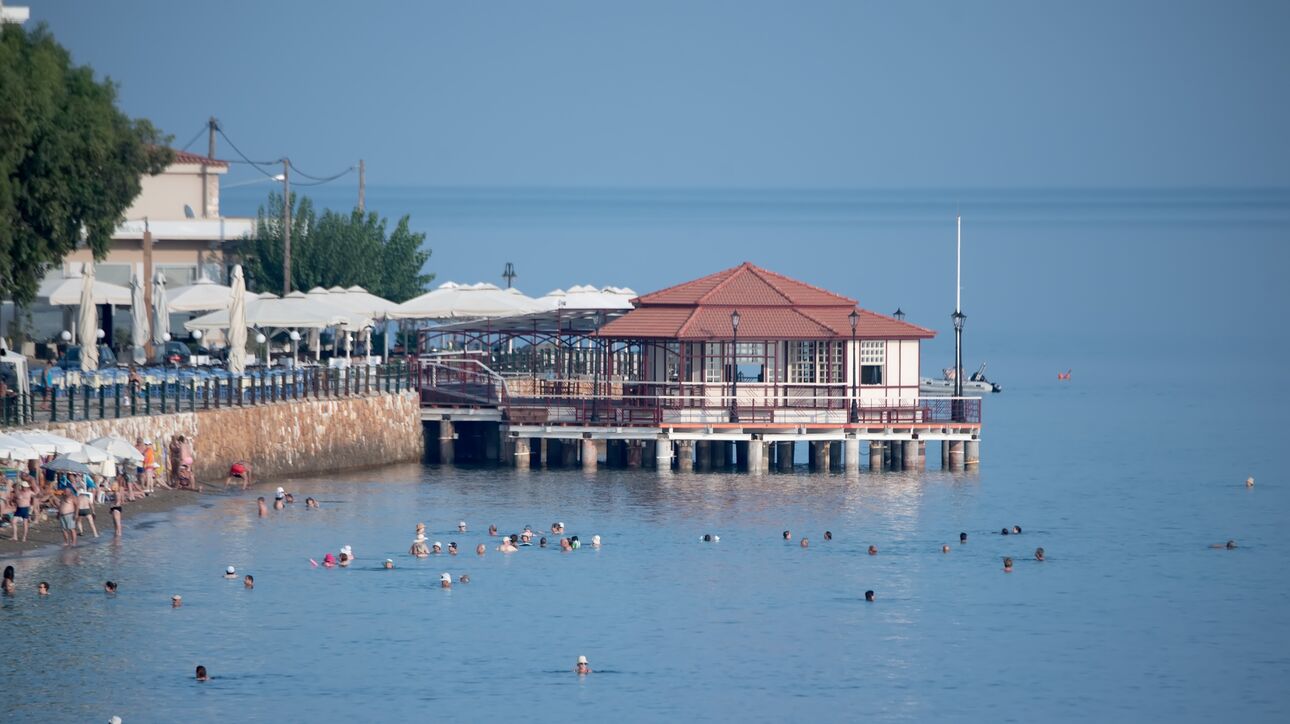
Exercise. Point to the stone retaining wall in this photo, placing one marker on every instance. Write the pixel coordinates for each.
(286, 438)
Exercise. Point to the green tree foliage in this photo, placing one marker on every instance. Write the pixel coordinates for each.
(70, 161)
(335, 249)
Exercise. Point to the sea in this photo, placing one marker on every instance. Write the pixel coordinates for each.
(1166, 305)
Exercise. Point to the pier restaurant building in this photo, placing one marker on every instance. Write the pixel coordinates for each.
(733, 369)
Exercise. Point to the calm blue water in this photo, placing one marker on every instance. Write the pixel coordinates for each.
(1125, 476)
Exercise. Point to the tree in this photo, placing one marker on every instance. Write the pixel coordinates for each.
(70, 161)
(335, 249)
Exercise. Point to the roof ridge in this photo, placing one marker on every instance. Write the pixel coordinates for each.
(756, 271)
(897, 321)
(684, 326)
(822, 290)
(688, 282)
(734, 273)
(817, 322)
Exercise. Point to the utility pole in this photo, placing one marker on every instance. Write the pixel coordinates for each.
(147, 283)
(362, 185)
(211, 126)
(286, 226)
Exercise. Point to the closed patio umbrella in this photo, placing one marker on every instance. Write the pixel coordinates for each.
(237, 324)
(160, 309)
(138, 319)
(89, 322)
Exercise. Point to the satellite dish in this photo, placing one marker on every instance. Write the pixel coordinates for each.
(188, 212)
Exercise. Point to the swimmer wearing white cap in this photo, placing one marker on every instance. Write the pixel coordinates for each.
(278, 499)
(582, 667)
(595, 541)
(437, 547)
(445, 580)
(348, 551)
(389, 563)
(461, 526)
(230, 572)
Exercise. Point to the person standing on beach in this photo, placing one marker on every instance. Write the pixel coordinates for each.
(67, 517)
(118, 500)
(23, 497)
(85, 510)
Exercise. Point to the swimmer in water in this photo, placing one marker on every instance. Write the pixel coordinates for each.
(264, 509)
(962, 538)
(248, 582)
(43, 588)
(788, 535)
(868, 596)
(1007, 565)
(945, 549)
(8, 584)
(290, 498)
(595, 541)
(109, 588)
(542, 542)
(565, 545)
(465, 578)
(1228, 545)
(445, 580)
(507, 546)
(461, 526)
(480, 549)
(310, 503)
(344, 560)
(1016, 530)
(437, 548)
(201, 674)
(805, 543)
(1003, 531)
(492, 530)
(707, 537)
(329, 561)
(582, 666)
(1039, 554)
(1249, 482)
(873, 550)
(452, 548)
(176, 601)
(828, 535)
(419, 548)
(230, 572)
(389, 563)
(557, 528)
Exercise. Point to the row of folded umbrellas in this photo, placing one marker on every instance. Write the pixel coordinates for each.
(69, 455)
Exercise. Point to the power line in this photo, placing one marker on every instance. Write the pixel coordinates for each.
(254, 164)
(319, 179)
(194, 139)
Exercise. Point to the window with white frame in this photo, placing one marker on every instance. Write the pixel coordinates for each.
(714, 369)
(873, 355)
(834, 371)
(801, 362)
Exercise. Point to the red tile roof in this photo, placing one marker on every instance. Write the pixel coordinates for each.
(194, 158)
(771, 306)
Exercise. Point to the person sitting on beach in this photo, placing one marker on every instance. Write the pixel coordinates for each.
(264, 508)
(582, 667)
(419, 548)
(310, 503)
(445, 580)
(67, 517)
(1039, 554)
(239, 471)
(201, 674)
(1228, 545)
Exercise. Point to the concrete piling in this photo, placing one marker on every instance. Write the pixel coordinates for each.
(851, 454)
(911, 455)
(590, 454)
(446, 447)
(971, 453)
(896, 453)
(956, 455)
(663, 454)
(784, 456)
(876, 454)
(523, 453)
(756, 456)
(835, 456)
(685, 455)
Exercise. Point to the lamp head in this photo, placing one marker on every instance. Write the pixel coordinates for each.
(100, 334)
(295, 336)
(958, 318)
(65, 336)
(165, 337)
(854, 316)
(899, 314)
(197, 334)
(734, 320)
(260, 338)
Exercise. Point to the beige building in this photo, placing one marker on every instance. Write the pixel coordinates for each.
(174, 226)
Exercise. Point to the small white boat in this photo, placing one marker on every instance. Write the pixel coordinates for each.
(977, 384)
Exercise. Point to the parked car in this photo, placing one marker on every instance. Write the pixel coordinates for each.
(176, 353)
(71, 359)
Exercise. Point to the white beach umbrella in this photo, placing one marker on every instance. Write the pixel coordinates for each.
(89, 455)
(12, 448)
(466, 301)
(356, 300)
(585, 296)
(47, 443)
(294, 311)
(236, 324)
(118, 447)
(138, 319)
(66, 292)
(160, 309)
(89, 323)
(202, 295)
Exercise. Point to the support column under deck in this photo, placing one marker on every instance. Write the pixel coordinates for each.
(897, 454)
(851, 454)
(589, 454)
(523, 453)
(702, 455)
(835, 456)
(956, 455)
(784, 456)
(911, 454)
(663, 454)
(875, 456)
(685, 455)
(756, 456)
(446, 446)
(971, 453)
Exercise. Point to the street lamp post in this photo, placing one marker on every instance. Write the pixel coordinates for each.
(734, 368)
(855, 377)
(957, 410)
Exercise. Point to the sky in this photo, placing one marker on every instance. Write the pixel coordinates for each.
(744, 93)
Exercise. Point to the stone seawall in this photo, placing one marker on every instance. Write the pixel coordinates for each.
(285, 438)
